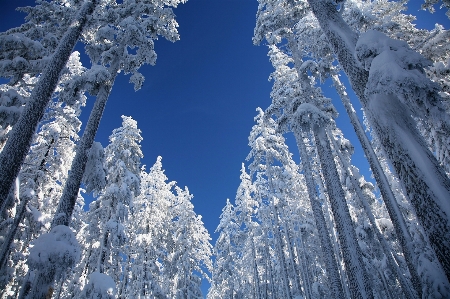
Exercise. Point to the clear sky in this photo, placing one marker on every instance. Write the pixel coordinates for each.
(197, 104)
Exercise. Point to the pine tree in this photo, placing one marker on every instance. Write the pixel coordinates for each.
(150, 230)
(20, 138)
(245, 209)
(224, 269)
(45, 169)
(425, 258)
(286, 91)
(191, 248)
(116, 30)
(122, 162)
(425, 201)
(274, 186)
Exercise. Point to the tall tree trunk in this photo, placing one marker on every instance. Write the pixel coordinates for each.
(426, 183)
(327, 249)
(21, 136)
(428, 187)
(294, 264)
(385, 284)
(281, 255)
(390, 202)
(71, 188)
(301, 255)
(102, 255)
(4, 250)
(255, 269)
(307, 280)
(354, 265)
(334, 238)
(393, 267)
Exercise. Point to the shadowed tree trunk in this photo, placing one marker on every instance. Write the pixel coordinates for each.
(425, 182)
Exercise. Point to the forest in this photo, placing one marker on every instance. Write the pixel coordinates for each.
(79, 219)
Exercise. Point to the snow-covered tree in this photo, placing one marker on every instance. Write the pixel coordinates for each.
(288, 91)
(433, 281)
(122, 162)
(276, 181)
(191, 249)
(50, 256)
(150, 230)
(342, 42)
(44, 171)
(100, 286)
(395, 128)
(429, 5)
(224, 269)
(245, 211)
(111, 41)
(110, 211)
(383, 16)
(20, 138)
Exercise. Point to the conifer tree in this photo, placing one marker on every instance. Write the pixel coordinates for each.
(245, 208)
(224, 269)
(191, 248)
(318, 47)
(425, 193)
(46, 168)
(150, 229)
(20, 138)
(275, 185)
(122, 162)
(116, 29)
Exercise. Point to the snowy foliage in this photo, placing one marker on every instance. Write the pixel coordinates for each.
(312, 230)
(100, 286)
(429, 5)
(54, 251)
(394, 67)
(94, 175)
(108, 214)
(122, 35)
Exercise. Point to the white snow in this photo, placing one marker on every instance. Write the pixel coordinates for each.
(58, 250)
(100, 286)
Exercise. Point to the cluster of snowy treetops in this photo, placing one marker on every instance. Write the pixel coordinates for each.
(140, 237)
(316, 229)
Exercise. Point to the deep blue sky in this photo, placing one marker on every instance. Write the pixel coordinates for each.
(197, 104)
